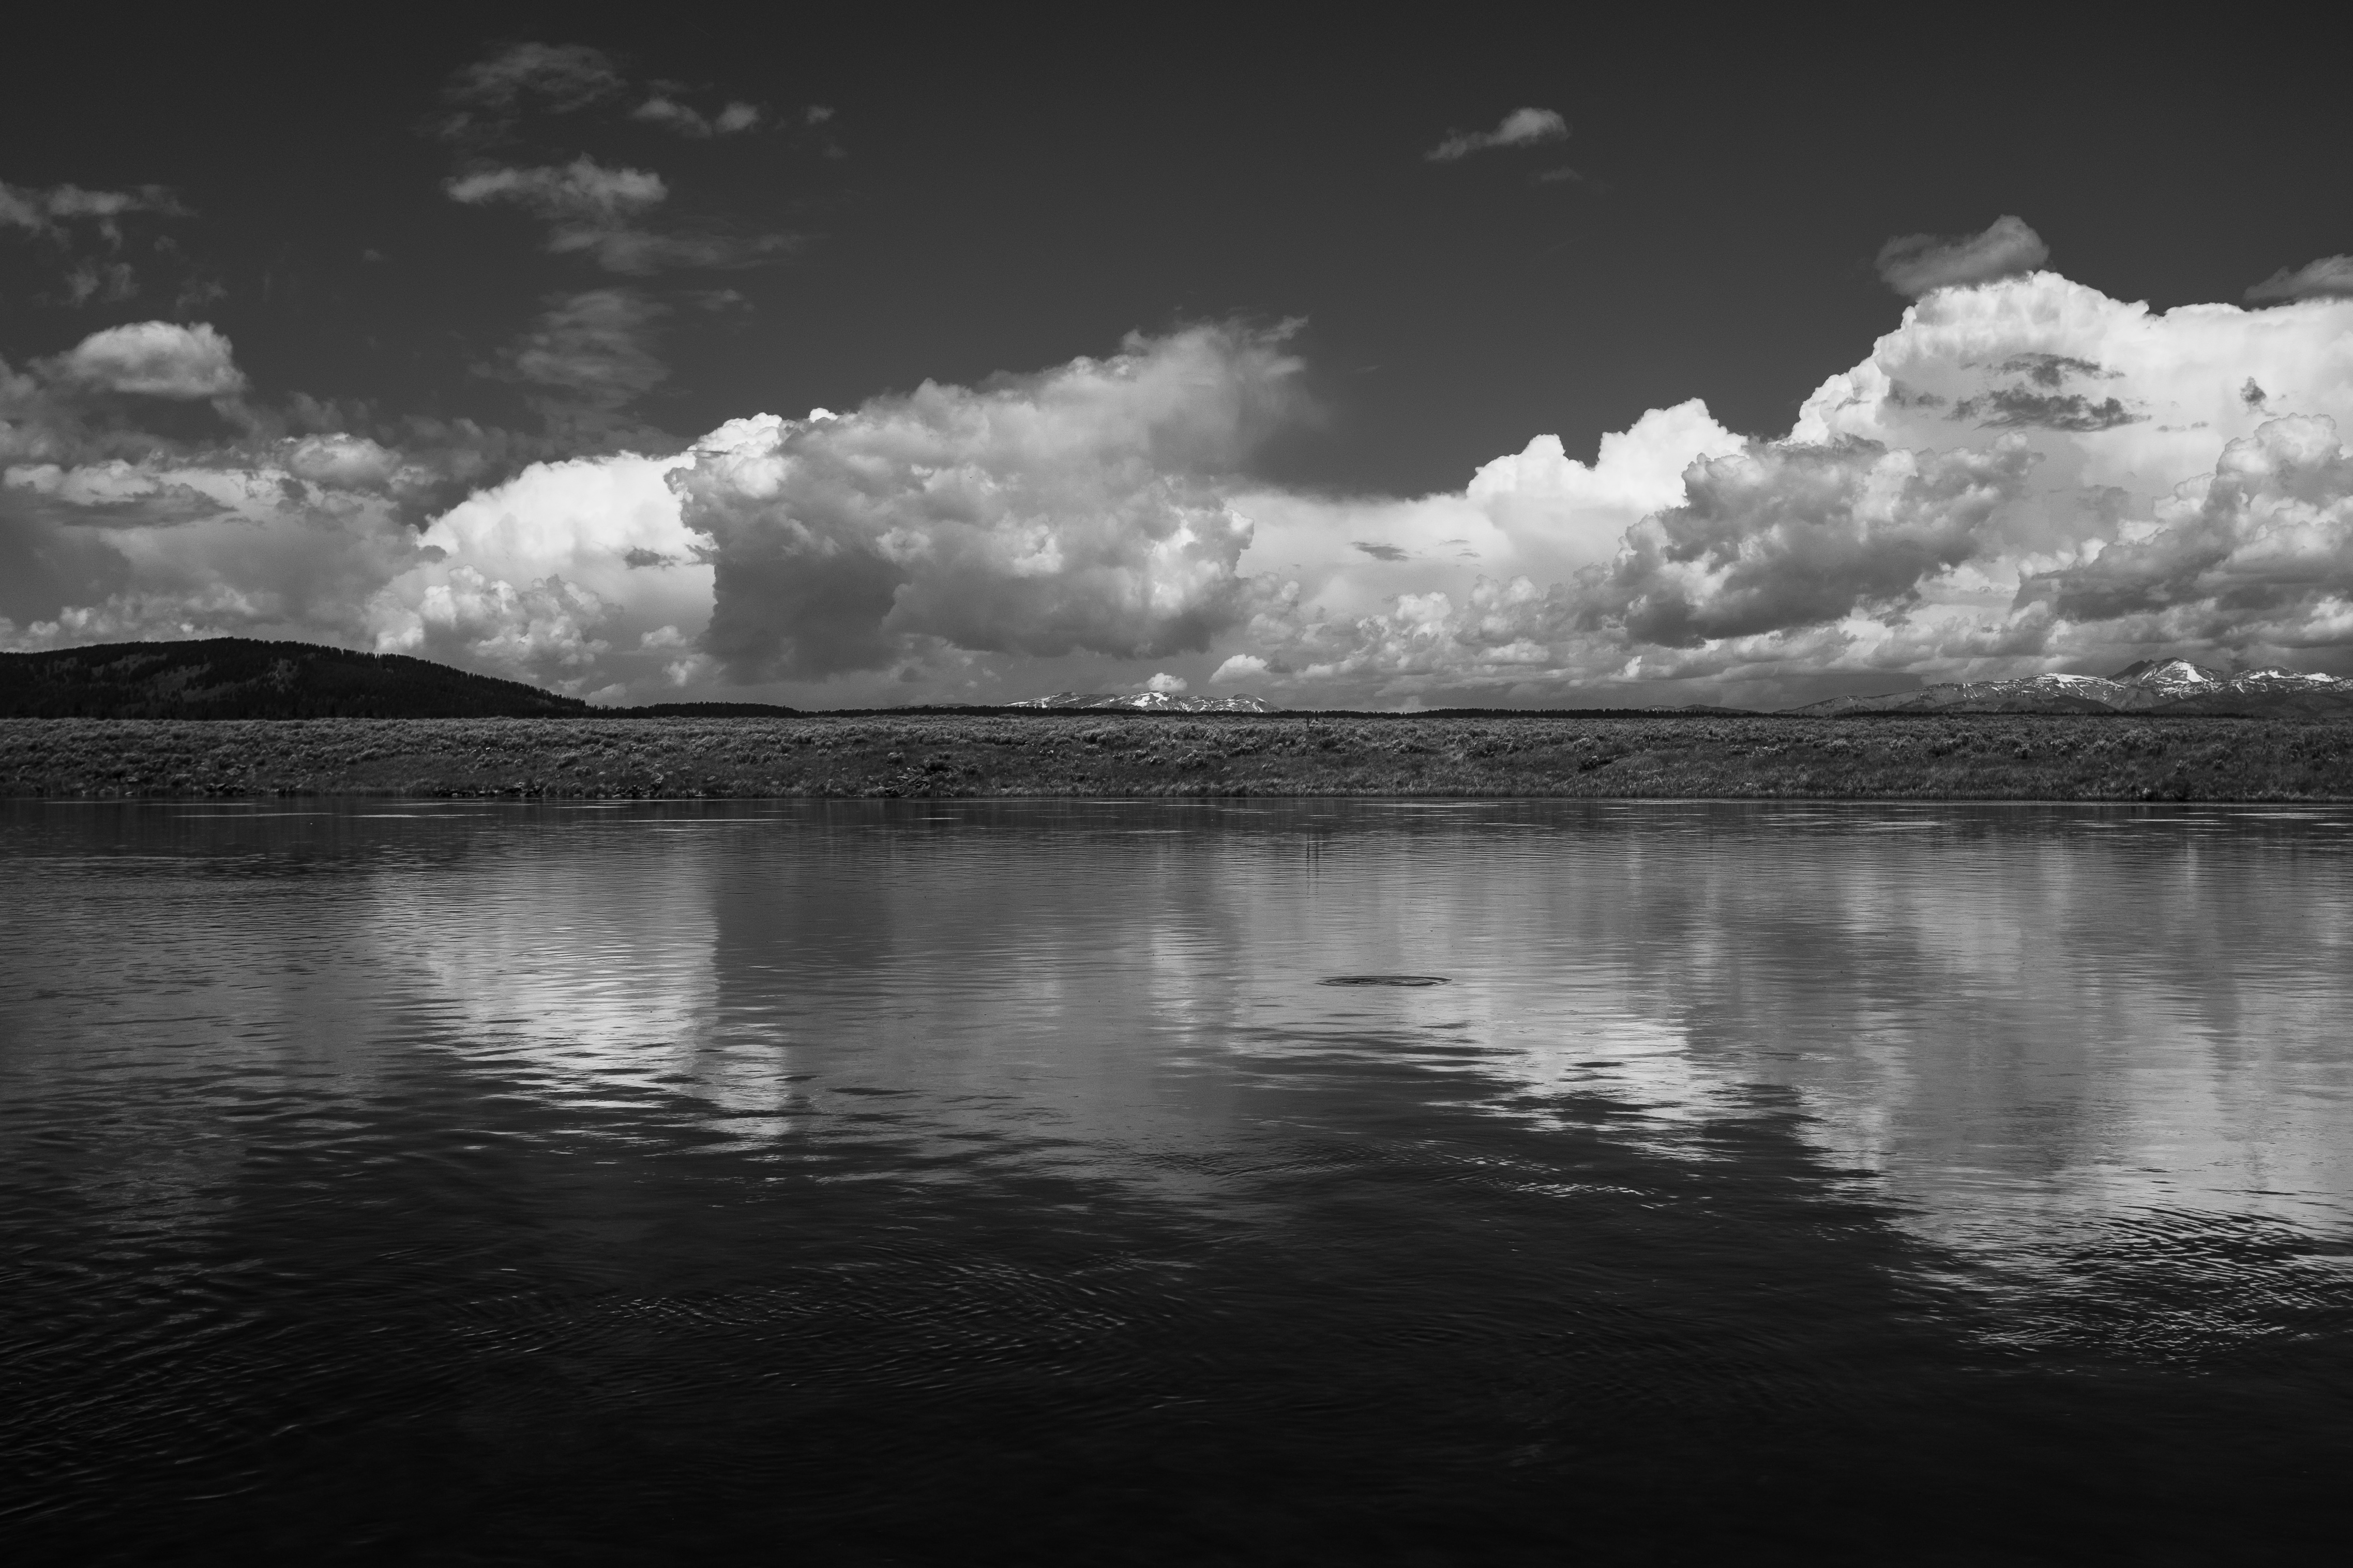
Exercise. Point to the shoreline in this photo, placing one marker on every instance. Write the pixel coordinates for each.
(1091, 756)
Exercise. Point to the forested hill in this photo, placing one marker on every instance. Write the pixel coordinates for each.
(238, 678)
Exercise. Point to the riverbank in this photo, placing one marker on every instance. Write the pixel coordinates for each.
(1981, 757)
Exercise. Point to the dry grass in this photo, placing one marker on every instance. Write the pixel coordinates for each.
(1960, 757)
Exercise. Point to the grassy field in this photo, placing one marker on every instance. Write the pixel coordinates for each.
(1985, 757)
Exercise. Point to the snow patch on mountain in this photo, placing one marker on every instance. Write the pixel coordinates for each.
(1147, 702)
(2148, 685)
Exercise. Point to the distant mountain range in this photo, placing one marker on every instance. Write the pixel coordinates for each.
(1146, 702)
(2151, 686)
(239, 678)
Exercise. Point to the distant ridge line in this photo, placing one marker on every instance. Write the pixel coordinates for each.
(2148, 686)
(243, 678)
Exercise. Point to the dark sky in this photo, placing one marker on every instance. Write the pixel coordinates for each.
(1011, 192)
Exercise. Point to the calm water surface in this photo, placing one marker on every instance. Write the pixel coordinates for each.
(932, 1183)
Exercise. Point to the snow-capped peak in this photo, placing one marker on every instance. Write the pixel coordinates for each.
(2173, 677)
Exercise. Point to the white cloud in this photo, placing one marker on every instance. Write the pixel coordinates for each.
(1537, 513)
(1562, 514)
(672, 115)
(1076, 510)
(2022, 476)
(1520, 128)
(174, 548)
(109, 532)
(544, 631)
(544, 576)
(22, 208)
(2260, 554)
(668, 113)
(1783, 536)
(1915, 264)
(2330, 278)
(343, 461)
(43, 209)
(582, 192)
(154, 359)
(1163, 681)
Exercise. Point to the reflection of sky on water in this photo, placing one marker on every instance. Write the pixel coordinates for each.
(2017, 1016)
(2029, 1023)
(589, 972)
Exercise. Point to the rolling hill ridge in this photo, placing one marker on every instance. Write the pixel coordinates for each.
(241, 677)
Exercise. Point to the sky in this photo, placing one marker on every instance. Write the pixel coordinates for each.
(1527, 361)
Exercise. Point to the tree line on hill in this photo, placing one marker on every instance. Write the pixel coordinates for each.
(240, 677)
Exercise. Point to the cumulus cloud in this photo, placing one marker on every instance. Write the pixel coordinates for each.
(2263, 555)
(1915, 264)
(545, 577)
(155, 358)
(2022, 475)
(1537, 513)
(122, 549)
(113, 527)
(1076, 510)
(1562, 514)
(2330, 278)
(1520, 128)
(315, 536)
(1782, 536)
(1775, 547)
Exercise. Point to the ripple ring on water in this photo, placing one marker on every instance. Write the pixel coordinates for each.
(1408, 980)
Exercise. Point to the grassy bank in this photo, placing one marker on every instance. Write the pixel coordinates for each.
(1972, 757)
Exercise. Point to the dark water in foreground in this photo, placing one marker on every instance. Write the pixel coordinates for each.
(940, 1182)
